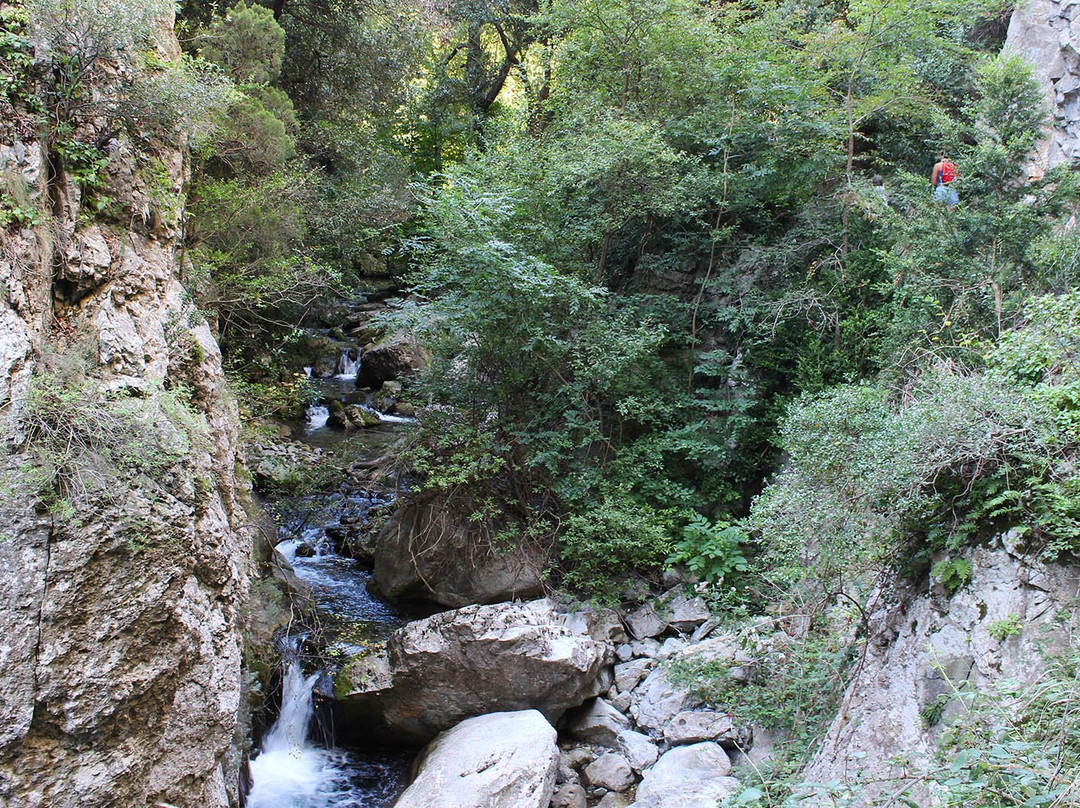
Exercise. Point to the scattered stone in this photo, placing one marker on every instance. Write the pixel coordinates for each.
(610, 771)
(686, 613)
(704, 630)
(577, 757)
(671, 646)
(569, 796)
(658, 700)
(704, 725)
(629, 674)
(645, 648)
(500, 760)
(639, 750)
(598, 723)
(614, 801)
(624, 652)
(688, 777)
(621, 701)
(645, 622)
(601, 624)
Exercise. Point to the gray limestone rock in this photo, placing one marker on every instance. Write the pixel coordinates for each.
(597, 723)
(684, 614)
(571, 795)
(688, 777)
(704, 725)
(466, 662)
(499, 760)
(610, 771)
(629, 674)
(923, 646)
(645, 622)
(639, 750)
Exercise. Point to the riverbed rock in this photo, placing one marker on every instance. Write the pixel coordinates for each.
(640, 752)
(429, 550)
(463, 663)
(610, 771)
(695, 726)
(394, 359)
(597, 723)
(688, 777)
(570, 795)
(500, 760)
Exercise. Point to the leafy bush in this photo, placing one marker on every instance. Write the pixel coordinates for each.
(81, 40)
(712, 552)
(551, 397)
(959, 455)
(797, 685)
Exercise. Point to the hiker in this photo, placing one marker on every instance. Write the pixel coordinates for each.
(944, 173)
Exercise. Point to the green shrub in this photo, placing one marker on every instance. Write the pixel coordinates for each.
(961, 455)
(247, 42)
(712, 552)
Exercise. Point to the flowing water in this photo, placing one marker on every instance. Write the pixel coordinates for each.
(292, 770)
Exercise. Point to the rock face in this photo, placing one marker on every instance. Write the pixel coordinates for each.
(467, 662)
(122, 591)
(426, 551)
(1046, 33)
(501, 760)
(919, 642)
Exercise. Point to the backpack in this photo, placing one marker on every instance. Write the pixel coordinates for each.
(948, 171)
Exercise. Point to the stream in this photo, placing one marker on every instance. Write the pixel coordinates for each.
(298, 765)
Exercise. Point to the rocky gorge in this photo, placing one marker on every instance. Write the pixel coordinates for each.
(136, 563)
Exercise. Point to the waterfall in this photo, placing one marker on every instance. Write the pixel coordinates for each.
(317, 416)
(289, 772)
(348, 363)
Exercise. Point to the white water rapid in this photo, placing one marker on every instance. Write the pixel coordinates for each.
(348, 363)
(289, 772)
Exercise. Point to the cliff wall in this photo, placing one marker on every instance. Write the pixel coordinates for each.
(1046, 33)
(124, 554)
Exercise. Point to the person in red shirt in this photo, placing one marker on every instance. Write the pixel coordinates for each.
(943, 174)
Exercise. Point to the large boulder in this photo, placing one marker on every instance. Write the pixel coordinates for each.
(455, 665)
(391, 360)
(501, 760)
(688, 777)
(427, 550)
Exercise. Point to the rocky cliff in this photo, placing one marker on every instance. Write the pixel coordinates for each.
(926, 650)
(124, 560)
(1046, 33)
